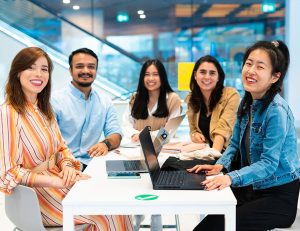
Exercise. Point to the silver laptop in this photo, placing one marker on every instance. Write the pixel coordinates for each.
(164, 179)
(125, 166)
(139, 165)
(172, 125)
(166, 133)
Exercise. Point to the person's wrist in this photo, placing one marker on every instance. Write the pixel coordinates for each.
(229, 180)
(108, 144)
(220, 167)
(69, 164)
(56, 182)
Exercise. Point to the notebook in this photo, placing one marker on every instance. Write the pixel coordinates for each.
(177, 147)
(122, 166)
(164, 179)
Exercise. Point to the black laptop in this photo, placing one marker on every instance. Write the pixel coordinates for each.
(164, 179)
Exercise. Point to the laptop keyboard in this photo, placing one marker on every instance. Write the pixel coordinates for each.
(133, 165)
(171, 178)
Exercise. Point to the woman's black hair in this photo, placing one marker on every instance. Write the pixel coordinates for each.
(140, 105)
(197, 100)
(279, 56)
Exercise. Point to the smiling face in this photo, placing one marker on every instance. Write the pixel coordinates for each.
(207, 77)
(257, 74)
(152, 79)
(34, 79)
(83, 69)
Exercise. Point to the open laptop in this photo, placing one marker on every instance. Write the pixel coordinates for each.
(172, 125)
(139, 165)
(164, 179)
(123, 166)
(167, 132)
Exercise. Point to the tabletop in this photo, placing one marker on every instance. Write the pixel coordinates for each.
(100, 195)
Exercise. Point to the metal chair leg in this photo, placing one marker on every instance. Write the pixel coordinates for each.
(176, 225)
(177, 222)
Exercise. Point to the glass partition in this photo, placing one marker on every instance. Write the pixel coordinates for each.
(173, 31)
(120, 70)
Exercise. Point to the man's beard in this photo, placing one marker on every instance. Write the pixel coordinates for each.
(84, 84)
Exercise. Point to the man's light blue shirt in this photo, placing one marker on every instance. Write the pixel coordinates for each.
(81, 121)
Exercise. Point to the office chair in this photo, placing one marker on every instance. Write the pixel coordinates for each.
(23, 210)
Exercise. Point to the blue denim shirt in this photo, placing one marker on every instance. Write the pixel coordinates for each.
(81, 121)
(273, 147)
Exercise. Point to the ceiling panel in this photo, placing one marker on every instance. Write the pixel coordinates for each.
(169, 15)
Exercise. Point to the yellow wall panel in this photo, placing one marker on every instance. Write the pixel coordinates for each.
(185, 70)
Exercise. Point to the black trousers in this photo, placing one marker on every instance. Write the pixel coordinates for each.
(259, 210)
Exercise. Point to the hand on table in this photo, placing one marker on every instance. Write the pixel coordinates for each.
(69, 175)
(99, 149)
(135, 138)
(218, 182)
(198, 138)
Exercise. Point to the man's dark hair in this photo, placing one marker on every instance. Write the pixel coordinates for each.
(84, 51)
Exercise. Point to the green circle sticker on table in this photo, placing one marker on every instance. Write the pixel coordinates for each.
(146, 197)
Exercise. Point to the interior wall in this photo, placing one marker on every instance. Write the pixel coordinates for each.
(60, 77)
(292, 82)
(9, 48)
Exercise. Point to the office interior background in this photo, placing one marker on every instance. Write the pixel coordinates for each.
(124, 33)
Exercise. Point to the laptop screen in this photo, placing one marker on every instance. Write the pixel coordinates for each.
(149, 153)
(172, 125)
(166, 133)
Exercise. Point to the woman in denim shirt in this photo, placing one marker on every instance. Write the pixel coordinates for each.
(266, 181)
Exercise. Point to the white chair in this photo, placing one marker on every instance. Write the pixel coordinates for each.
(23, 210)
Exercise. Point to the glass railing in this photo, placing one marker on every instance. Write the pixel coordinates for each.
(117, 68)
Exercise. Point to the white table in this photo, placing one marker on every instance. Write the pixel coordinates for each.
(100, 195)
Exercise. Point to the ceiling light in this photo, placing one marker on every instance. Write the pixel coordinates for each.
(66, 1)
(76, 7)
(122, 17)
(268, 7)
(142, 16)
(140, 12)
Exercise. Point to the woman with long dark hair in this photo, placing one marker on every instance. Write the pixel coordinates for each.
(154, 102)
(265, 176)
(211, 106)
